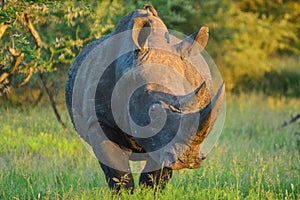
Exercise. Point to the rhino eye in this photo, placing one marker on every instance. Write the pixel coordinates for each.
(167, 36)
(174, 109)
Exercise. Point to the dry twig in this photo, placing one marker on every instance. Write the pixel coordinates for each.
(38, 43)
(292, 120)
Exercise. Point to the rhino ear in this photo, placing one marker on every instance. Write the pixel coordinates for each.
(194, 43)
(140, 32)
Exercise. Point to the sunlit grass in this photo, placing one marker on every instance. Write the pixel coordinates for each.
(253, 158)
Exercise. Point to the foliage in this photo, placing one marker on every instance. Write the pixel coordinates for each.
(41, 36)
(282, 80)
(279, 10)
(245, 36)
(252, 160)
(172, 12)
(244, 43)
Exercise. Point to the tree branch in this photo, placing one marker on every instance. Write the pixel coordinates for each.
(2, 4)
(34, 33)
(26, 80)
(3, 28)
(3, 76)
(292, 120)
(15, 64)
(18, 57)
(38, 43)
(53, 104)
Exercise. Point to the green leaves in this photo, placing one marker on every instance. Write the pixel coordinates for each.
(245, 35)
(49, 34)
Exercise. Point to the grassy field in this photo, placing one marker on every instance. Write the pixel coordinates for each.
(252, 159)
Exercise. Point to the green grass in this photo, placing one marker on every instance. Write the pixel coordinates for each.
(252, 159)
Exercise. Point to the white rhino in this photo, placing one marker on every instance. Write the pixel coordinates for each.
(140, 93)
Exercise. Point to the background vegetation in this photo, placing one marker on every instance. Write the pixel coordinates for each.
(255, 44)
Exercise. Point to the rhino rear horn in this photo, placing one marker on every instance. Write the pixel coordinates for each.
(194, 43)
(140, 32)
(181, 100)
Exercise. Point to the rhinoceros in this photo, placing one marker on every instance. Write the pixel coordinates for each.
(140, 93)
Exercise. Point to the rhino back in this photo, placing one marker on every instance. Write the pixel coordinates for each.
(126, 23)
(74, 69)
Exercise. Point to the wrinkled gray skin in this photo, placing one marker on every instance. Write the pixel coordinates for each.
(176, 145)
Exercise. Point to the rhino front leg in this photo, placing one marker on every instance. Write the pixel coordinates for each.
(118, 180)
(155, 179)
(114, 162)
